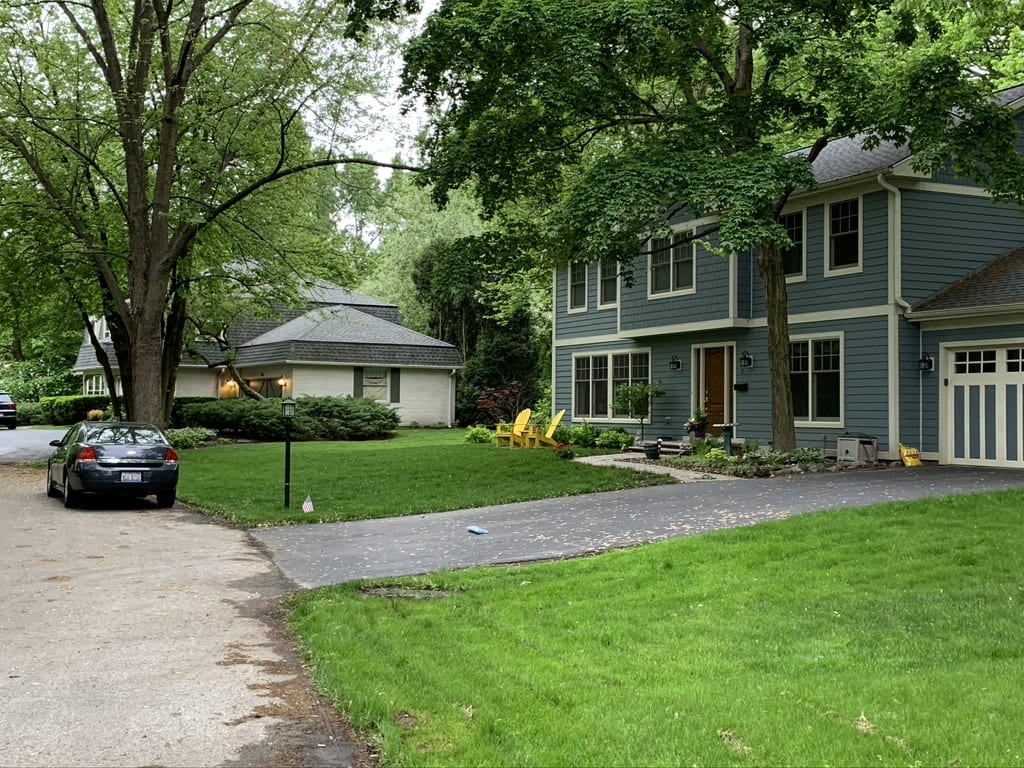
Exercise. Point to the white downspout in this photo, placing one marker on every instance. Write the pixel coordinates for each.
(896, 297)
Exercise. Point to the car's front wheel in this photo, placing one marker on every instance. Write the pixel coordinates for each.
(70, 494)
(165, 499)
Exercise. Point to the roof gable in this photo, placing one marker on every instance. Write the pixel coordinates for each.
(999, 283)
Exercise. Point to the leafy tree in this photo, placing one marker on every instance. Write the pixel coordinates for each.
(611, 116)
(165, 138)
(637, 399)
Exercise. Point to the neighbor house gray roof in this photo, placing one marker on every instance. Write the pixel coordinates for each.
(343, 334)
(997, 284)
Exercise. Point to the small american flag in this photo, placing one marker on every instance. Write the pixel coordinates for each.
(307, 505)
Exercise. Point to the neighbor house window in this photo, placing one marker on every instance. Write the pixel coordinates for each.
(793, 256)
(844, 235)
(609, 284)
(577, 286)
(815, 374)
(95, 384)
(594, 389)
(672, 265)
(375, 384)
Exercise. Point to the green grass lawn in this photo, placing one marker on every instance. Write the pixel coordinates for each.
(888, 636)
(417, 472)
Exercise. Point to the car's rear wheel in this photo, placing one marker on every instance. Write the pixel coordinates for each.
(70, 494)
(51, 489)
(12, 426)
(165, 498)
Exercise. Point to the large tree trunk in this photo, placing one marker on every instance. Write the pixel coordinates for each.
(773, 276)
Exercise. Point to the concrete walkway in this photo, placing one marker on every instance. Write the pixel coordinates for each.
(332, 553)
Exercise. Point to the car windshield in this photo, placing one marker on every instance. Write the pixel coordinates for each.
(119, 434)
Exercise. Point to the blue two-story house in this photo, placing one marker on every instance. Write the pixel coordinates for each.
(906, 302)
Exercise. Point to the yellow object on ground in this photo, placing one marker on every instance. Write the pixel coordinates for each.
(911, 456)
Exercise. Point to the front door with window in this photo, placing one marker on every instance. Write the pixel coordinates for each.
(713, 379)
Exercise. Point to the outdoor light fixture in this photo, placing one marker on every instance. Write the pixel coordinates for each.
(674, 363)
(288, 412)
(746, 360)
(926, 363)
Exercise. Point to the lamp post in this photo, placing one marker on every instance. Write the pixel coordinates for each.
(288, 411)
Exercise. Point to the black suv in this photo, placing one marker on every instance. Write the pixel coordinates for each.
(8, 411)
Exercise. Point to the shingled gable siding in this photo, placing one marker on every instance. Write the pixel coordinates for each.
(947, 236)
(595, 321)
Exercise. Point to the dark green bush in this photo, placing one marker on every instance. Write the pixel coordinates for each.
(316, 418)
(29, 413)
(67, 409)
(585, 435)
(179, 404)
(616, 437)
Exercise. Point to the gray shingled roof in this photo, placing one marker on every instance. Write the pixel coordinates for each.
(846, 159)
(999, 283)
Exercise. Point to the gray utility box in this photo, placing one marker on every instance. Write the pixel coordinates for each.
(856, 450)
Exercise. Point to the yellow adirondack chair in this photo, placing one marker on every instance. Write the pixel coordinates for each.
(535, 439)
(514, 433)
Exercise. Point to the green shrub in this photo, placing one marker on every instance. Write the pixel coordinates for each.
(479, 435)
(616, 438)
(177, 418)
(585, 435)
(67, 409)
(562, 434)
(316, 418)
(190, 437)
(30, 413)
(806, 456)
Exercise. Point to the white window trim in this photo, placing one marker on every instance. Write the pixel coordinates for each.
(88, 377)
(570, 309)
(801, 276)
(651, 295)
(811, 422)
(609, 354)
(827, 215)
(600, 281)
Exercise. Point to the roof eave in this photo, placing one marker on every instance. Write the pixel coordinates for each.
(965, 313)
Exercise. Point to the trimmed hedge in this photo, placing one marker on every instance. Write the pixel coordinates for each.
(316, 418)
(67, 409)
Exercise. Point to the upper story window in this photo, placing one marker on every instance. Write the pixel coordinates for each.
(793, 256)
(608, 287)
(577, 286)
(672, 265)
(844, 235)
(815, 374)
(94, 384)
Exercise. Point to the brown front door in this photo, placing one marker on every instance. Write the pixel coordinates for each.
(714, 389)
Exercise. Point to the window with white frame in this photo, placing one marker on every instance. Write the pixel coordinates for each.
(672, 265)
(608, 286)
(94, 384)
(375, 384)
(844, 235)
(594, 391)
(577, 286)
(815, 373)
(793, 256)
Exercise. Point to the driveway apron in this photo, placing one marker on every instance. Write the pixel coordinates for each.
(333, 553)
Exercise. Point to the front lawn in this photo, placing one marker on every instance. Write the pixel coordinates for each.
(419, 471)
(887, 636)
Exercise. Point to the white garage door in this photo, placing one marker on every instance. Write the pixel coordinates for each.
(985, 407)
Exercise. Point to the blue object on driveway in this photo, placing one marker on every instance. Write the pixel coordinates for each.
(476, 529)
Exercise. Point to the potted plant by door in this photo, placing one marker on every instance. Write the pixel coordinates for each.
(697, 425)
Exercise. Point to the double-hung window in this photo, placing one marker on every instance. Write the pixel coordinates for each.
(815, 373)
(844, 235)
(594, 389)
(577, 286)
(608, 286)
(95, 384)
(672, 264)
(793, 256)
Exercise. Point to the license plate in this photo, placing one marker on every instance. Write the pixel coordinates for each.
(131, 477)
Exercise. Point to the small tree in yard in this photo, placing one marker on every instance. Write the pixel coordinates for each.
(636, 400)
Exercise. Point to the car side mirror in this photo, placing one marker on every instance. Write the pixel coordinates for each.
(55, 443)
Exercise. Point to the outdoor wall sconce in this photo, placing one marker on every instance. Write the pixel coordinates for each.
(746, 360)
(926, 363)
(674, 363)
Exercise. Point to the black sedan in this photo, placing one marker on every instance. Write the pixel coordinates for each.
(126, 458)
(8, 411)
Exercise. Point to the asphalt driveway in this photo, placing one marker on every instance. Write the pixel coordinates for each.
(318, 555)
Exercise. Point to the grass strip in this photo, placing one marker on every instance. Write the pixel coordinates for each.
(881, 636)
